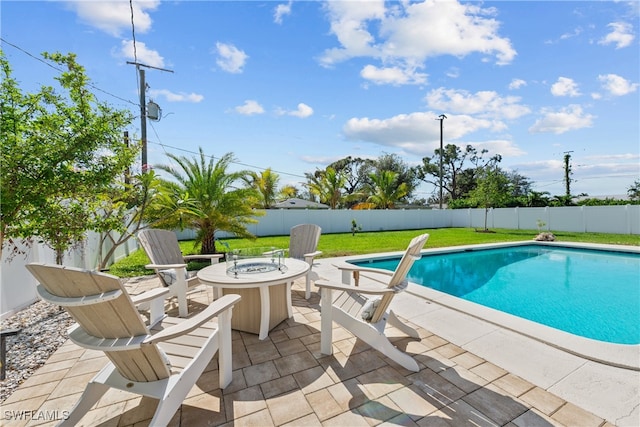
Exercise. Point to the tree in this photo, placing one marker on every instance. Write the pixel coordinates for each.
(266, 185)
(207, 198)
(60, 149)
(492, 191)
(634, 191)
(457, 180)
(537, 199)
(130, 206)
(327, 185)
(356, 174)
(386, 191)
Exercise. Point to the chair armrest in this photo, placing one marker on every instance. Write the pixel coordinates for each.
(312, 254)
(358, 268)
(214, 309)
(360, 289)
(164, 266)
(150, 295)
(203, 256)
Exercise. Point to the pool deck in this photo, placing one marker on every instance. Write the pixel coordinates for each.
(472, 373)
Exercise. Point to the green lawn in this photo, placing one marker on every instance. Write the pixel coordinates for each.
(345, 244)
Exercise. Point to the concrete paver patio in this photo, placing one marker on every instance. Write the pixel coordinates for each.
(285, 380)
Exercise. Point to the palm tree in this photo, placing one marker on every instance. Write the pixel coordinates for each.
(266, 184)
(327, 185)
(385, 191)
(207, 199)
(288, 191)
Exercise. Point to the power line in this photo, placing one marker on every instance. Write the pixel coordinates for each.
(246, 165)
(164, 146)
(48, 64)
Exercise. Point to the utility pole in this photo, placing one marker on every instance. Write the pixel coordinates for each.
(441, 117)
(143, 112)
(567, 173)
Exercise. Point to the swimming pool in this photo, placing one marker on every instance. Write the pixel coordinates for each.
(590, 293)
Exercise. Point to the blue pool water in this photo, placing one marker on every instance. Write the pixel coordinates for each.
(591, 293)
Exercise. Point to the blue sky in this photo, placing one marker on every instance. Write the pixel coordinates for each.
(297, 85)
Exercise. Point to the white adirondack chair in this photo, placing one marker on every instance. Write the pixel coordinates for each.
(162, 360)
(364, 310)
(303, 244)
(163, 249)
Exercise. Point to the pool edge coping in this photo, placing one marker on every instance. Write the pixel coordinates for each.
(625, 356)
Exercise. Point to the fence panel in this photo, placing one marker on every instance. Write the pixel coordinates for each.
(18, 287)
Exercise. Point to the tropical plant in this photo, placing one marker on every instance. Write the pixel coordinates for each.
(355, 227)
(61, 149)
(288, 191)
(266, 185)
(386, 192)
(207, 197)
(327, 185)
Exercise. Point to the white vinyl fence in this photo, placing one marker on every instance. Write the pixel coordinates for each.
(601, 219)
(17, 288)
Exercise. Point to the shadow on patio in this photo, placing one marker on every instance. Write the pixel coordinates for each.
(285, 380)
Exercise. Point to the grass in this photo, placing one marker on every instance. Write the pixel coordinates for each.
(345, 244)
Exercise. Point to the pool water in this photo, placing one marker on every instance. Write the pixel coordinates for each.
(591, 293)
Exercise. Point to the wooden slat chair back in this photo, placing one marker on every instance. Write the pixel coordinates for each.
(303, 244)
(303, 239)
(170, 265)
(162, 360)
(399, 279)
(364, 310)
(161, 246)
(112, 318)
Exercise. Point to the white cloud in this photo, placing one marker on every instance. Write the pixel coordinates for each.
(621, 35)
(565, 87)
(249, 108)
(230, 58)
(176, 97)
(616, 85)
(575, 33)
(281, 11)
(114, 17)
(453, 72)
(517, 84)
(407, 34)
(483, 104)
(503, 147)
(419, 133)
(392, 75)
(558, 122)
(303, 111)
(410, 128)
(143, 54)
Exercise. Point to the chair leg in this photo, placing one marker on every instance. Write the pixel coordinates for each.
(326, 321)
(181, 292)
(164, 412)
(307, 291)
(90, 396)
(385, 347)
(399, 324)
